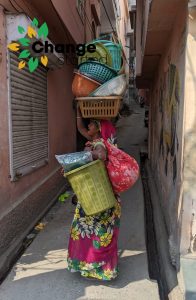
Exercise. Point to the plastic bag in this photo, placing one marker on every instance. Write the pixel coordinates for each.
(123, 170)
(74, 160)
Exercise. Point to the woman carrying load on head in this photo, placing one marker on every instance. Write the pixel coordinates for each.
(93, 239)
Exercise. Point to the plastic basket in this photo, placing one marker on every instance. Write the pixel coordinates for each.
(99, 107)
(102, 55)
(92, 187)
(97, 71)
(115, 51)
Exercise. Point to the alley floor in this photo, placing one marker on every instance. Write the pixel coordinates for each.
(41, 271)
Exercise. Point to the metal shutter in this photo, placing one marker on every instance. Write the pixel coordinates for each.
(28, 118)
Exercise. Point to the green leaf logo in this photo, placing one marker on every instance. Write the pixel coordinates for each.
(35, 22)
(33, 64)
(21, 29)
(24, 54)
(43, 30)
(24, 45)
(24, 41)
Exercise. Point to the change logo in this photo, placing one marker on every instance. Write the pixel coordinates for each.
(23, 46)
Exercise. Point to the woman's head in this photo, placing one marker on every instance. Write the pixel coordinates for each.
(102, 128)
(94, 128)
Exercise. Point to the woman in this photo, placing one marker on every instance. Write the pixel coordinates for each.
(93, 239)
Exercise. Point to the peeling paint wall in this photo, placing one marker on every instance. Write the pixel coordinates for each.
(166, 126)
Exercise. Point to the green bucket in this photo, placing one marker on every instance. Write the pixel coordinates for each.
(92, 187)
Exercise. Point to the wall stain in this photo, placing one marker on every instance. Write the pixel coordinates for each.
(169, 101)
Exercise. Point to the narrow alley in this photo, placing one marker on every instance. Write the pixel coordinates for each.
(77, 79)
(41, 271)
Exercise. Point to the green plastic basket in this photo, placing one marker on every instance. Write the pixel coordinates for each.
(115, 51)
(97, 71)
(102, 55)
(92, 187)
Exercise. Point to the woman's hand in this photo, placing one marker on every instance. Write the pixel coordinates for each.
(99, 153)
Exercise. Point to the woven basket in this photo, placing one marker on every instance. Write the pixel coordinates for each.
(99, 107)
(92, 187)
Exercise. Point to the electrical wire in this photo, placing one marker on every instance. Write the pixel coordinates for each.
(108, 17)
(70, 9)
(64, 29)
(14, 6)
(89, 23)
(22, 9)
(61, 21)
(113, 29)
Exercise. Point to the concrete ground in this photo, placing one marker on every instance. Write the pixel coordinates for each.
(188, 264)
(41, 271)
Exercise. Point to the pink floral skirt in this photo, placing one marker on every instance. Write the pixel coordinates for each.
(93, 240)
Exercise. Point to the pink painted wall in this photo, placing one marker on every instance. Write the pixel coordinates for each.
(61, 120)
(22, 202)
(69, 14)
(80, 31)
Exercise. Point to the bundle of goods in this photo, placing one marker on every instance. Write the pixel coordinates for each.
(100, 79)
(72, 161)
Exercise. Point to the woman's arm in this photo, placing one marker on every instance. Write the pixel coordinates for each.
(80, 125)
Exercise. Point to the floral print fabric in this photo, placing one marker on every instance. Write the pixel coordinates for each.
(93, 243)
(123, 170)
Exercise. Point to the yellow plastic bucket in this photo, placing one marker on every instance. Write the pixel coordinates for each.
(92, 187)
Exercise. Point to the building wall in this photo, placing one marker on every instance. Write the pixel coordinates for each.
(188, 241)
(166, 125)
(70, 16)
(122, 22)
(80, 30)
(141, 32)
(22, 203)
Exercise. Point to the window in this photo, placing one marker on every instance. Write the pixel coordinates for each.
(28, 119)
(81, 8)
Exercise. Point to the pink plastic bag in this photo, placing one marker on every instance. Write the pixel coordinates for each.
(123, 170)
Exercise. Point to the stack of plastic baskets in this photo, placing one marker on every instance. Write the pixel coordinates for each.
(92, 187)
(101, 73)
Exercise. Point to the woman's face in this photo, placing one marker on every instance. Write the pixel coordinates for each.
(92, 129)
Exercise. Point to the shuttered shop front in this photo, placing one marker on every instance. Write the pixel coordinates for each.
(28, 118)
